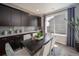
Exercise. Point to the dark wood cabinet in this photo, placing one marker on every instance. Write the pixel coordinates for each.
(32, 20)
(24, 18)
(39, 22)
(5, 16)
(13, 17)
(16, 17)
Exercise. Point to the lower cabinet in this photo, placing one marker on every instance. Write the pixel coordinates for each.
(14, 41)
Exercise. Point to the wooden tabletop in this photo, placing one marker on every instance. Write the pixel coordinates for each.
(34, 45)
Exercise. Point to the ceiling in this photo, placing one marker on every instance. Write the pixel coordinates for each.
(39, 8)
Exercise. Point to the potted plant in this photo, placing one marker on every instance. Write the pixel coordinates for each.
(76, 25)
(39, 35)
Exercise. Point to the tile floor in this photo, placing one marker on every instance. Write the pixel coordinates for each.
(63, 50)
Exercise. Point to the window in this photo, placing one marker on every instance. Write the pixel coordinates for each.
(57, 23)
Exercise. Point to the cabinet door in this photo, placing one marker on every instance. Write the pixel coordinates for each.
(32, 21)
(5, 16)
(16, 17)
(39, 21)
(24, 19)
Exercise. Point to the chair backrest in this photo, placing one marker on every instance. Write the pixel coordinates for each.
(53, 42)
(47, 48)
(9, 50)
(28, 36)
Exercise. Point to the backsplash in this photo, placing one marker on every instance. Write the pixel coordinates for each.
(17, 29)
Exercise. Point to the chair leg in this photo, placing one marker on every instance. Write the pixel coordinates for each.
(53, 51)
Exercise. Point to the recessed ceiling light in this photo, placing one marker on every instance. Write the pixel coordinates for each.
(37, 9)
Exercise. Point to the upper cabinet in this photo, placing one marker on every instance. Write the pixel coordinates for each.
(32, 20)
(16, 17)
(5, 16)
(39, 21)
(13, 17)
(24, 19)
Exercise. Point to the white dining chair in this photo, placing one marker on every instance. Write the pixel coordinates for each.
(9, 51)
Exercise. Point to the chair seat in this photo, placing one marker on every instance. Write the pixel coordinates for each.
(22, 52)
(10, 52)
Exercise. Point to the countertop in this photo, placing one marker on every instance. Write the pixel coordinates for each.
(34, 46)
(14, 34)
